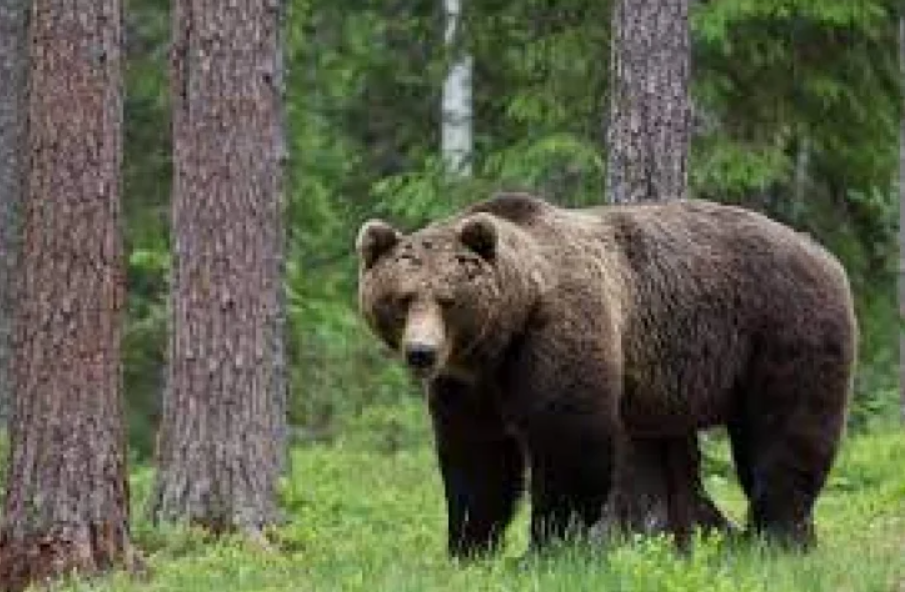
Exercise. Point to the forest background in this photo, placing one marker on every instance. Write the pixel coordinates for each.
(796, 113)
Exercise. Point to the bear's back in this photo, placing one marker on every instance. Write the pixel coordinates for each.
(702, 238)
(728, 239)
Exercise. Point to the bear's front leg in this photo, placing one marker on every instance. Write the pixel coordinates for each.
(561, 385)
(482, 466)
(572, 467)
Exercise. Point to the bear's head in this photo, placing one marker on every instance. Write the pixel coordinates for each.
(434, 295)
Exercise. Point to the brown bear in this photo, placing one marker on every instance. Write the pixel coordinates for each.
(550, 340)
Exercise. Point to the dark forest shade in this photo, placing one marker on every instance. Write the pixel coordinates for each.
(220, 446)
(902, 214)
(67, 501)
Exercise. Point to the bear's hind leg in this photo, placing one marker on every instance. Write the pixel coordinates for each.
(787, 479)
(786, 438)
(482, 468)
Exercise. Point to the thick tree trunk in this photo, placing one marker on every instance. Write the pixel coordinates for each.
(219, 447)
(648, 138)
(13, 76)
(67, 500)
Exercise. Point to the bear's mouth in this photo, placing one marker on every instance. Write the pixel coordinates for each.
(423, 374)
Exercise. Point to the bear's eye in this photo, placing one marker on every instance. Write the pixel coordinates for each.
(403, 301)
(446, 300)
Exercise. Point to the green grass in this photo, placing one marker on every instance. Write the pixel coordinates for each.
(364, 520)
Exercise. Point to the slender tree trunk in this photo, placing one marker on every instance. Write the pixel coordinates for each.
(13, 76)
(67, 501)
(219, 447)
(902, 214)
(456, 135)
(660, 485)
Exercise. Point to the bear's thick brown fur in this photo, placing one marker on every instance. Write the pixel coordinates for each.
(552, 339)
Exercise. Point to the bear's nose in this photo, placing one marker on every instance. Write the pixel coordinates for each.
(420, 356)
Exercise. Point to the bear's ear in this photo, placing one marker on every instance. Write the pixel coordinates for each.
(375, 238)
(479, 234)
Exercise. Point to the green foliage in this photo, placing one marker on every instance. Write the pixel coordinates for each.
(796, 114)
(146, 187)
(358, 519)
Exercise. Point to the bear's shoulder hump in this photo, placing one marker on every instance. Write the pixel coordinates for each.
(518, 208)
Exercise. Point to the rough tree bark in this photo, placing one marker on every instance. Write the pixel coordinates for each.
(648, 138)
(67, 505)
(13, 76)
(650, 114)
(220, 441)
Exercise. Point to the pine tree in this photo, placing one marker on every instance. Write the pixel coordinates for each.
(67, 499)
(220, 448)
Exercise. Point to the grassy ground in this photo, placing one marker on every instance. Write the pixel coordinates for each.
(362, 518)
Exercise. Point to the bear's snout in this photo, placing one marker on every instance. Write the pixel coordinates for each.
(421, 357)
(424, 339)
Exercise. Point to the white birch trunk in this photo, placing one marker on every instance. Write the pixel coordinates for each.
(456, 136)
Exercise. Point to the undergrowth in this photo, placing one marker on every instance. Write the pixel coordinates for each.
(366, 513)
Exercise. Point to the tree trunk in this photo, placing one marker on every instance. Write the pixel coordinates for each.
(650, 114)
(67, 505)
(220, 442)
(660, 486)
(456, 136)
(13, 73)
